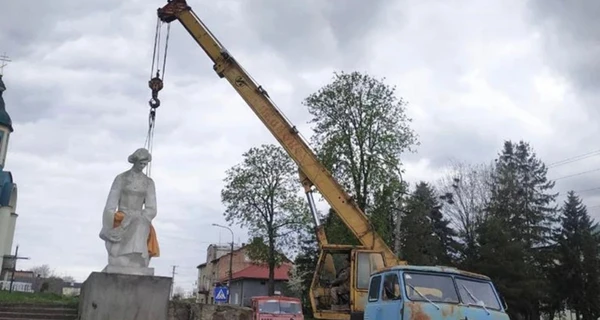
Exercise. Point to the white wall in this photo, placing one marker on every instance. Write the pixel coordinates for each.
(3, 144)
(10, 234)
(5, 225)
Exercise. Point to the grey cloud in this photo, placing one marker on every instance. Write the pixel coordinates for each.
(42, 16)
(78, 94)
(455, 142)
(572, 36)
(312, 33)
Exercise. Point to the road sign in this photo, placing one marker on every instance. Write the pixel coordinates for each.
(221, 294)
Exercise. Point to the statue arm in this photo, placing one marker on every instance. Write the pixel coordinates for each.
(150, 202)
(112, 203)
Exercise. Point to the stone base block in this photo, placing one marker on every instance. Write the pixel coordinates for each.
(129, 270)
(124, 297)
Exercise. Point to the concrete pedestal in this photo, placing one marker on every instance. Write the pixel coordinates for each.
(129, 270)
(124, 297)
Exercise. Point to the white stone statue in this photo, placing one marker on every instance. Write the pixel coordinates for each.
(127, 219)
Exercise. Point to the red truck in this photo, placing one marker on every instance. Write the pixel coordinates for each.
(277, 308)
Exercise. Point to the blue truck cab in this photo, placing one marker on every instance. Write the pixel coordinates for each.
(432, 293)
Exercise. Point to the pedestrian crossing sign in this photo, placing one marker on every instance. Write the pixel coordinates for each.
(221, 294)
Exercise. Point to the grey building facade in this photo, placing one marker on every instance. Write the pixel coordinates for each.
(242, 290)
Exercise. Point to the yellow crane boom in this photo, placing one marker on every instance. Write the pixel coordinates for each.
(287, 135)
(373, 254)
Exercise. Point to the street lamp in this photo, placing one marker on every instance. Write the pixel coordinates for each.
(230, 258)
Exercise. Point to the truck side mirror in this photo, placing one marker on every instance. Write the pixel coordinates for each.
(504, 304)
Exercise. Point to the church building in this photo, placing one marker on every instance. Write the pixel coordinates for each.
(8, 190)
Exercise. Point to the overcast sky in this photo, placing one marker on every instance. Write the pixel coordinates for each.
(474, 73)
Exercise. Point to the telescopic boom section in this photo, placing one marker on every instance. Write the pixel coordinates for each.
(287, 135)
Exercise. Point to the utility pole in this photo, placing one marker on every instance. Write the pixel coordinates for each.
(173, 273)
(13, 268)
(230, 259)
(400, 214)
(230, 268)
(3, 63)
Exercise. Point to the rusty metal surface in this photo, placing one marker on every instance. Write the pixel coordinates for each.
(423, 310)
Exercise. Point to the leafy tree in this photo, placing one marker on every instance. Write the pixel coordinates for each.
(259, 252)
(261, 193)
(361, 129)
(577, 272)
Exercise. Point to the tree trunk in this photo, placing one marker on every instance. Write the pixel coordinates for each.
(271, 282)
(397, 238)
(398, 229)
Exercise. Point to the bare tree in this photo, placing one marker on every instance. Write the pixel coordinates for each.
(466, 188)
(43, 271)
(178, 293)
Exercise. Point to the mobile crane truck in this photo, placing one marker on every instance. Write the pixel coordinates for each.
(381, 287)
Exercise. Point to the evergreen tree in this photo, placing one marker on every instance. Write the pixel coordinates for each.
(591, 269)
(503, 260)
(518, 228)
(388, 209)
(305, 264)
(336, 231)
(426, 236)
(577, 271)
(447, 246)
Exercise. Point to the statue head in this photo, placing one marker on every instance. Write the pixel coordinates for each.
(139, 158)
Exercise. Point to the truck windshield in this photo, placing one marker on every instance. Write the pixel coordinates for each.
(279, 307)
(436, 288)
(477, 293)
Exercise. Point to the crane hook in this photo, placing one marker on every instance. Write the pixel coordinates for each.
(155, 84)
(154, 103)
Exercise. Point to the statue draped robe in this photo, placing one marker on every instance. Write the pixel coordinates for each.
(127, 221)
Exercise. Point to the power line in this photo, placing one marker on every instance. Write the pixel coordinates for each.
(576, 174)
(579, 192)
(575, 158)
(587, 190)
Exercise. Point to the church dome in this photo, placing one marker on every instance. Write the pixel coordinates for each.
(4, 116)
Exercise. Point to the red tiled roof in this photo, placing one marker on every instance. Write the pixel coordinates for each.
(262, 272)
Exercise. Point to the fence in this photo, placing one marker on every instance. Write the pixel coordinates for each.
(17, 286)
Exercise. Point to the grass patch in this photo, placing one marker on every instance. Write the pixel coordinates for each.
(25, 297)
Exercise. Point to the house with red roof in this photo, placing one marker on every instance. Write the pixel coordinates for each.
(249, 278)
